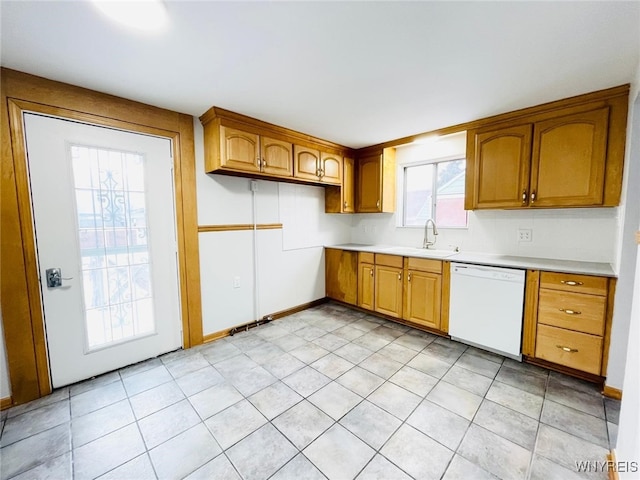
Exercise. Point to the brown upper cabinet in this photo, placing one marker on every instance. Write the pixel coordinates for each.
(314, 165)
(241, 150)
(565, 154)
(244, 146)
(375, 182)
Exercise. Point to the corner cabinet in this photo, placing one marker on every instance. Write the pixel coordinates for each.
(568, 322)
(375, 182)
(341, 275)
(560, 157)
(341, 199)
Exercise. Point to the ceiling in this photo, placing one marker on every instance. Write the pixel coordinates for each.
(357, 73)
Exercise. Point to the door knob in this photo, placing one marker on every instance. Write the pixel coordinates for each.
(54, 277)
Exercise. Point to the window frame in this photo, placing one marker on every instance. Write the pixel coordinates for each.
(402, 184)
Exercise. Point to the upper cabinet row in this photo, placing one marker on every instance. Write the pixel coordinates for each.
(239, 145)
(234, 150)
(569, 154)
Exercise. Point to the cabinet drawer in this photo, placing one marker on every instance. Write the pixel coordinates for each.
(424, 264)
(575, 311)
(572, 349)
(574, 283)
(388, 260)
(365, 257)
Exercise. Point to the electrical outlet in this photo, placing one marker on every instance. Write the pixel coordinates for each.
(524, 235)
(236, 282)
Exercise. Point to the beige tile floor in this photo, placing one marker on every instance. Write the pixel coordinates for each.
(325, 393)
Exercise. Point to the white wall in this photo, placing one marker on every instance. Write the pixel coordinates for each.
(290, 261)
(585, 234)
(5, 384)
(628, 444)
(628, 225)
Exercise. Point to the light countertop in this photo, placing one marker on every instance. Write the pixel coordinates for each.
(510, 261)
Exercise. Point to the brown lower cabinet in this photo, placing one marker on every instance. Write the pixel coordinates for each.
(410, 289)
(341, 274)
(568, 321)
(423, 292)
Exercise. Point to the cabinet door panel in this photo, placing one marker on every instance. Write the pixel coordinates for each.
(331, 168)
(424, 293)
(348, 179)
(366, 285)
(569, 155)
(277, 157)
(239, 150)
(305, 163)
(341, 275)
(369, 190)
(388, 291)
(502, 159)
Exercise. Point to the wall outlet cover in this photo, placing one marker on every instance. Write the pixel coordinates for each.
(525, 235)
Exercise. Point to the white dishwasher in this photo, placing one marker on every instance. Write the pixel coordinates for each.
(486, 307)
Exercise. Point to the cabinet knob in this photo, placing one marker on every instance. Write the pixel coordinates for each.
(399, 275)
(409, 277)
(533, 197)
(372, 272)
(259, 162)
(378, 204)
(567, 349)
(571, 283)
(524, 196)
(346, 204)
(264, 162)
(570, 312)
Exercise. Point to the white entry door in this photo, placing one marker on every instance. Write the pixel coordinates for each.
(103, 205)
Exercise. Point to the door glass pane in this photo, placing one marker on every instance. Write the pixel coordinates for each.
(113, 236)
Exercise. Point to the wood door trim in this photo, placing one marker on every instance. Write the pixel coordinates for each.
(238, 226)
(21, 303)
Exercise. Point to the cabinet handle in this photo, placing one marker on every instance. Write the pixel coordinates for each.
(570, 312)
(524, 196)
(399, 275)
(346, 204)
(409, 277)
(259, 163)
(378, 204)
(372, 272)
(533, 197)
(264, 162)
(571, 283)
(567, 349)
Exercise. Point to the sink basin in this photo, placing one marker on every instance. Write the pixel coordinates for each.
(419, 252)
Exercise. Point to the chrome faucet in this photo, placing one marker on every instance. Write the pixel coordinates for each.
(426, 243)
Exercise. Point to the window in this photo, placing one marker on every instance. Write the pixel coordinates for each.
(435, 190)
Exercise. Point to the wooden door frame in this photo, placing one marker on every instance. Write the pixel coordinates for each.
(21, 302)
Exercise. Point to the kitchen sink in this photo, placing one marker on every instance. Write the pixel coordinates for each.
(419, 252)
